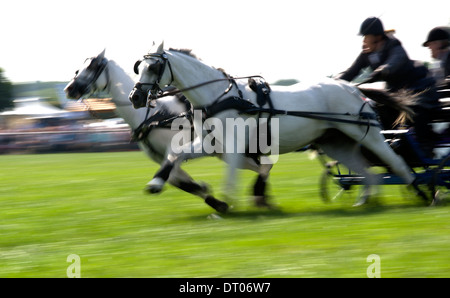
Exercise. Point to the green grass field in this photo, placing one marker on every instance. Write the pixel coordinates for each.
(93, 205)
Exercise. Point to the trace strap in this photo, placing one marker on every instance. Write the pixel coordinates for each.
(246, 107)
(319, 116)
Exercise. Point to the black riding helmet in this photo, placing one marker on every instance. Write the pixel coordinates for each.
(438, 33)
(372, 26)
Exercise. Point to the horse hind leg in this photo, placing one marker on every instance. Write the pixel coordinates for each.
(348, 152)
(260, 198)
(375, 142)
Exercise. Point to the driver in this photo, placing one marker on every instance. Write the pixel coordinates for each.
(438, 41)
(390, 63)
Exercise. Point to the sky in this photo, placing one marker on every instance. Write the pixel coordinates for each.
(47, 40)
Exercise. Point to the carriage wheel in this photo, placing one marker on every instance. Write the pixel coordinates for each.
(329, 183)
(440, 183)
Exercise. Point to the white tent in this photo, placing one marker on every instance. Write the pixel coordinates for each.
(34, 107)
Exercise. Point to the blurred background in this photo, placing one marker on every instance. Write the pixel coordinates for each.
(44, 42)
(94, 206)
(37, 118)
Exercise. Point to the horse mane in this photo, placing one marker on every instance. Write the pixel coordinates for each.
(187, 52)
(400, 101)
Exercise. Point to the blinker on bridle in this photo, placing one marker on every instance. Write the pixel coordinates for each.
(98, 71)
(155, 90)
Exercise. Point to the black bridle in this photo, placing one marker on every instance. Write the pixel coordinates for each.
(160, 66)
(91, 85)
(155, 91)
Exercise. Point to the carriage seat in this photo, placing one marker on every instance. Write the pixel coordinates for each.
(442, 114)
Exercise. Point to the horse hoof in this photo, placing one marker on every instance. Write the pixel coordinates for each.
(219, 206)
(155, 186)
(153, 190)
(261, 202)
(360, 202)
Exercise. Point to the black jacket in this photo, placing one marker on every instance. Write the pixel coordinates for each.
(444, 86)
(447, 66)
(393, 66)
(447, 71)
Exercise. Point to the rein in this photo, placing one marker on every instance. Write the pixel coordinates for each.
(245, 106)
(318, 115)
(177, 91)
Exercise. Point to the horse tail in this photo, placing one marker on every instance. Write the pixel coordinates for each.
(399, 101)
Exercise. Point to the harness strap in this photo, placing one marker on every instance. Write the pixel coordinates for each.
(368, 117)
(262, 90)
(246, 107)
(233, 102)
(156, 121)
(323, 116)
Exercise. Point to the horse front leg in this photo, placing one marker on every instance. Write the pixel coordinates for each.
(156, 185)
(187, 151)
(234, 161)
(183, 181)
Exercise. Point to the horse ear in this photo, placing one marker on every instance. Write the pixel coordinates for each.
(102, 54)
(160, 49)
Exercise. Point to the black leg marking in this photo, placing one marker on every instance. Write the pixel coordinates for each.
(190, 187)
(219, 206)
(197, 189)
(259, 194)
(259, 188)
(164, 171)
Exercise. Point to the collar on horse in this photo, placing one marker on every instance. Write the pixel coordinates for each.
(161, 118)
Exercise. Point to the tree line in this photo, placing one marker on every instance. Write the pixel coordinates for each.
(6, 92)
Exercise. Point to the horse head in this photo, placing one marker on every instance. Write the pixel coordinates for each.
(88, 79)
(152, 71)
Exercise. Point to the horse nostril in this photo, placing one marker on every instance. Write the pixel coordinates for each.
(131, 97)
(135, 98)
(69, 90)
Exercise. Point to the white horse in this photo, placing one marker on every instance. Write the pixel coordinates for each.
(207, 88)
(99, 73)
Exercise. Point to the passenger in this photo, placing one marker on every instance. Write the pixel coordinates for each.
(388, 60)
(438, 41)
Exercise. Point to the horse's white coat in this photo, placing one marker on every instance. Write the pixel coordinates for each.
(119, 84)
(294, 132)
